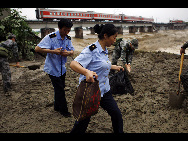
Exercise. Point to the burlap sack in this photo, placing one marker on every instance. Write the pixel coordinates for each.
(87, 100)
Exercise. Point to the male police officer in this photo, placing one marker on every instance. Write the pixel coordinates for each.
(125, 50)
(58, 46)
(8, 45)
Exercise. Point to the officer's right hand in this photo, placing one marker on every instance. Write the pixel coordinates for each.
(89, 76)
(57, 51)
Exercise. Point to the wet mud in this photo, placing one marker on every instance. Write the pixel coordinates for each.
(154, 76)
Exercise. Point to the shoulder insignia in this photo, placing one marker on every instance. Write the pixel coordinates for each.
(92, 47)
(68, 37)
(52, 35)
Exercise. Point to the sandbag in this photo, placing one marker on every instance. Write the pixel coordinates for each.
(120, 83)
(87, 100)
(3, 52)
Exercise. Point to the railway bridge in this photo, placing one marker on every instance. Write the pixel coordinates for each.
(49, 26)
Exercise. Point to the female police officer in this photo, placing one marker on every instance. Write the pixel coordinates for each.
(94, 61)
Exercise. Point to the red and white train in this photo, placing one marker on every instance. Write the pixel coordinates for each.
(50, 14)
(176, 21)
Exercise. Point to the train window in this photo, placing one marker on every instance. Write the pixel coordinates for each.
(50, 13)
(54, 13)
(74, 14)
(58, 13)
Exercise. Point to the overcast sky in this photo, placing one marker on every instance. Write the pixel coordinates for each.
(159, 14)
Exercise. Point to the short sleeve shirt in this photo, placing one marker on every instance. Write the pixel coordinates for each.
(55, 64)
(97, 61)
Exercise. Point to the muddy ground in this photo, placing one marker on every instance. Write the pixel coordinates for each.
(154, 76)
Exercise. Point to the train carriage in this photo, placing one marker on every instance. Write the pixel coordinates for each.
(176, 21)
(150, 20)
(126, 18)
(132, 18)
(59, 14)
(103, 16)
(50, 14)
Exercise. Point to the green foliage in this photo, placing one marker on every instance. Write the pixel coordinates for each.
(25, 37)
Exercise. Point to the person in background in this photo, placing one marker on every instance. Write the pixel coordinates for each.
(182, 50)
(125, 50)
(8, 45)
(58, 46)
(184, 75)
(93, 62)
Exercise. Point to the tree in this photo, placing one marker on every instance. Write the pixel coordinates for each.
(25, 37)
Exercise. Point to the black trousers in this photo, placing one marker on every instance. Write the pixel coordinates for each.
(109, 104)
(60, 103)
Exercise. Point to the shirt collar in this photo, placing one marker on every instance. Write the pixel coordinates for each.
(59, 36)
(100, 48)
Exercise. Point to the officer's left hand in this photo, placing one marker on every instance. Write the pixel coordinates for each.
(65, 53)
(118, 68)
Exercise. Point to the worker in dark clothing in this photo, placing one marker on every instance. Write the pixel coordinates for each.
(184, 75)
(8, 45)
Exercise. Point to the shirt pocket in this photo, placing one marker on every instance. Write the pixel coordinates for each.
(55, 44)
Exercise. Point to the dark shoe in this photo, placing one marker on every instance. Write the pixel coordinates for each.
(66, 115)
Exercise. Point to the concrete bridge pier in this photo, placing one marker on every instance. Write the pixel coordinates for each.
(120, 29)
(142, 29)
(78, 32)
(92, 30)
(150, 29)
(46, 31)
(132, 29)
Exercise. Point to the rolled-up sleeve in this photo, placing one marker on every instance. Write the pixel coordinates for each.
(71, 46)
(45, 42)
(84, 58)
